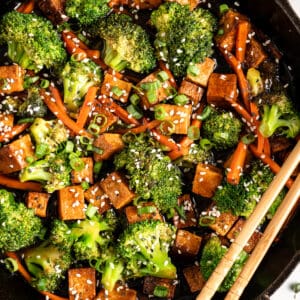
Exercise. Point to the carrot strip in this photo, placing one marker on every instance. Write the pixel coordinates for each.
(243, 83)
(164, 140)
(255, 115)
(52, 296)
(71, 35)
(237, 163)
(61, 114)
(92, 54)
(100, 63)
(86, 106)
(243, 28)
(16, 130)
(26, 8)
(267, 147)
(144, 127)
(163, 66)
(270, 162)
(73, 47)
(16, 184)
(58, 100)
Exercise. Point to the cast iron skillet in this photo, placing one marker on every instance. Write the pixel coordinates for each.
(277, 20)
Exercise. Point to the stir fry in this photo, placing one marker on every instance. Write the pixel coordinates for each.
(136, 139)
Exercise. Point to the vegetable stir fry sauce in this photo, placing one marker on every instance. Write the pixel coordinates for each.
(136, 139)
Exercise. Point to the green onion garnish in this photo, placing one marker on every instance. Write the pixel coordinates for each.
(162, 76)
(77, 164)
(193, 70)
(223, 8)
(134, 111)
(159, 113)
(134, 99)
(146, 210)
(205, 114)
(41, 150)
(181, 99)
(193, 133)
(160, 291)
(207, 220)
(205, 144)
(117, 91)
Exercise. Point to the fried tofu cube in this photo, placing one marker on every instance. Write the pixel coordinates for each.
(119, 293)
(71, 203)
(237, 228)
(145, 211)
(193, 91)
(190, 220)
(108, 144)
(117, 189)
(86, 174)
(82, 283)
(152, 283)
(206, 180)
(194, 278)
(96, 196)
(11, 79)
(115, 88)
(255, 54)
(186, 243)
(13, 156)
(38, 202)
(53, 10)
(180, 116)
(220, 87)
(6, 122)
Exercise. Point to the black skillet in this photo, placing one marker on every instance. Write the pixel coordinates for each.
(278, 21)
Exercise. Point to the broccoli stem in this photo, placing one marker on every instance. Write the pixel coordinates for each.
(113, 58)
(111, 274)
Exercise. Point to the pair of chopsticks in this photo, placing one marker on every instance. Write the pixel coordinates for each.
(250, 226)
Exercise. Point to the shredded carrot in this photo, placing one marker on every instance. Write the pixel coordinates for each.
(243, 28)
(16, 130)
(16, 184)
(92, 54)
(115, 73)
(58, 100)
(61, 114)
(86, 106)
(27, 7)
(164, 140)
(237, 163)
(142, 128)
(71, 35)
(267, 147)
(270, 162)
(72, 46)
(172, 80)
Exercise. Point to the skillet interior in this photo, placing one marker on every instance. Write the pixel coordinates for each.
(275, 18)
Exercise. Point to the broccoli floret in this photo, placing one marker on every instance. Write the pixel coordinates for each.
(197, 155)
(280, 116)
(32, 41)
(48, 134)
(183, 36)
(152, 175)
(33, 105)
(49, 261)
(78, 77)
(222, 129)
(144, 247)
(212, 254)
(19, 225)
(126, 44)
(10, 104)
(93, 234)
(87, 11)
(242, 198)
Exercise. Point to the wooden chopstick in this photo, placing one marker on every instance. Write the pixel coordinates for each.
(251, 224)
(265, 242)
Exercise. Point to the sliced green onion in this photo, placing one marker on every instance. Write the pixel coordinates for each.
(193, 133)
(205, 144)
(91, 211)
(85, 185)
(117, 91)
(162, 76)
(193, 70)
(151, 96)
(77, 164)
(146, 210)
(223, 8)
(25, 120)
(159, 113)
(28, 81)
(205, 114)
(100, 120)
(160, 291)
(84, 140)
(97, 150)
(207, 221)
(151, 85)
(134, 99)
(97, 167)
(181, 99)
(41, 150)
(44, 83)
(69, 147)
(128, 137)
(94, 128)
(220, 31)
(167, 127)
(134, 111)
(11, 264)
(248, 138)
(29, 159)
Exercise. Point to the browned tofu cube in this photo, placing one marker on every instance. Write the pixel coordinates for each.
(163, 92)
(108, 144)
(117, 189)
(152, 283)
(180, 116)
(237, 228)
(255, 54)
(119, 293)
(193, 91)
(145, 4)
(190, 219)
(86, 174)
(144, 211)
(38, 202)
(82, 284)
(96, 196)
(53, 10)
(71, 203)
(13, 156)
(6, 122)
(194, 278)
(220, 87)
(192, 3)
(205, 69)
(206, 180)
(186, 243)
(116, 88)
(11, 79)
